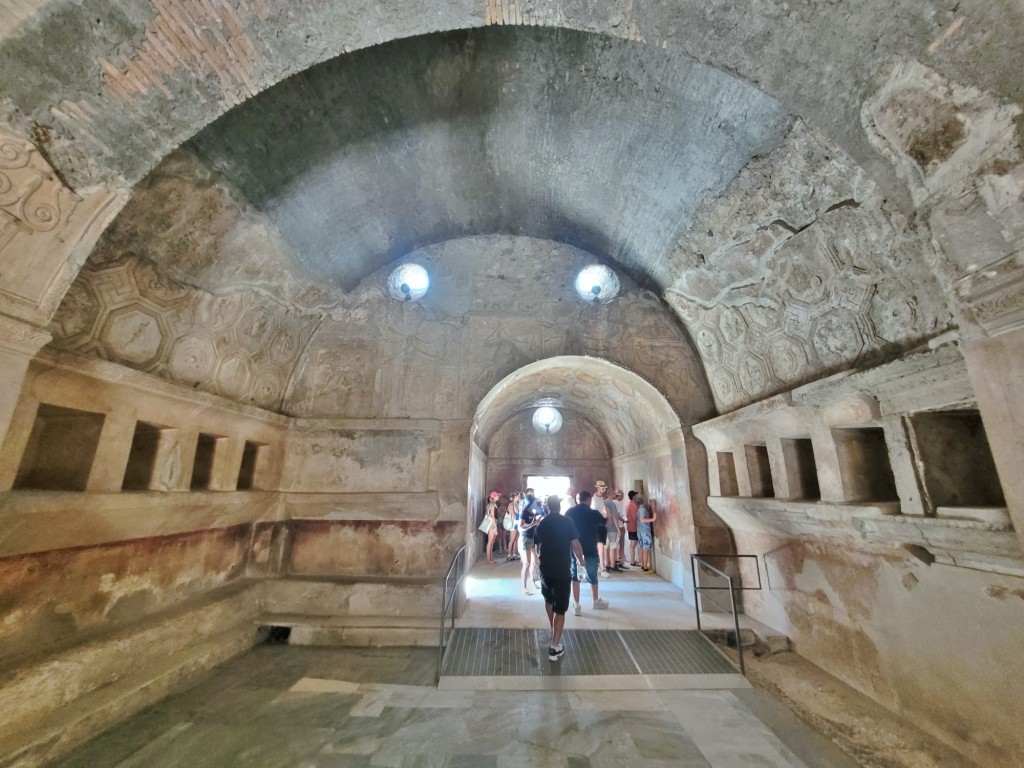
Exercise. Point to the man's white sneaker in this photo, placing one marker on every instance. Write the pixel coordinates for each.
(578, 609)
(600, 604)
(554, 654)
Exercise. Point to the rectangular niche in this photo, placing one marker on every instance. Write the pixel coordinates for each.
(864, 464)
(727, 485)
(207, 450)
(143, 455)
(956, 459)
(61, 449)
(760, 471)
(253, 458)
(801, 469)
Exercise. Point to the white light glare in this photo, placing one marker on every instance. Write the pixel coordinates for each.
(597, 283)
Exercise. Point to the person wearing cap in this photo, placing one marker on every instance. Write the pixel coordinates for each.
(587, 521)
(611, 547)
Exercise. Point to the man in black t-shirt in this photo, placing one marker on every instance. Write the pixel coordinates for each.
(587, 521)
(556, 540)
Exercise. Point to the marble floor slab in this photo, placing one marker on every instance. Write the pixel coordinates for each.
(301, 707)
(283, 706)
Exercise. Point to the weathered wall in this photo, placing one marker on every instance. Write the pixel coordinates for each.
(578, 450)
(496, 304)
(938, 644)
(63, 595)
(77, 563)
(911, 597)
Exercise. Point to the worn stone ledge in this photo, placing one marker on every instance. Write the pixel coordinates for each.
(42, 521)
(362, 506)
(353, 630)
(335, 598)
(783, 517)
(52, 703)
(960, 542)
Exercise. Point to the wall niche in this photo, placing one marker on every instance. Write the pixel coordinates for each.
(760, 472)
(956, 459)
(143, 455)
(801, 469)
(207, 450)
(727, 484)
(252, 460)
(864, 464)
(60, 450)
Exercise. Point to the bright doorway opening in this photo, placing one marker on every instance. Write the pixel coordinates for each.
(548, 485)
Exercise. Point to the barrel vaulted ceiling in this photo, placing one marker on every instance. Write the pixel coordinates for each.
(768, 169)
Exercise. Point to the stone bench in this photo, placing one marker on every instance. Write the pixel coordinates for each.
(52, 703)
(373, 611)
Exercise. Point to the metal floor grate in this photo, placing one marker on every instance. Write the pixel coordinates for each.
(524, 653)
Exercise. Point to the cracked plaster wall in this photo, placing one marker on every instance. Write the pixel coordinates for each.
(800, 269)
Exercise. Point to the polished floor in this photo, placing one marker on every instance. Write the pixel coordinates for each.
(294, 707)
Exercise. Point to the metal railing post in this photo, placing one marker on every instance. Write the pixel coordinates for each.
(457, 565)
(736, 623)
(694, 560)
(696, 596)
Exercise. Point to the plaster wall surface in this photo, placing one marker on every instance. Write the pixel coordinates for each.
(579, 450)
(890, 626)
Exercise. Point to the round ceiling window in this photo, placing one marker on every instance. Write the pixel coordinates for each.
(409, 282)
(547, 420)
(597, 283)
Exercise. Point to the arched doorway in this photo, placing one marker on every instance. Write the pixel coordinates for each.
(643, 439)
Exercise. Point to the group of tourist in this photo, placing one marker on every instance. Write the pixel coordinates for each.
(559, 551)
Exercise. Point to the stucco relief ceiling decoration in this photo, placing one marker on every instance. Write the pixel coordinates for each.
(239, 345)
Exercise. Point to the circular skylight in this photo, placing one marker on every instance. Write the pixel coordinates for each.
(409, 282)
(547, 420)
(597, 283)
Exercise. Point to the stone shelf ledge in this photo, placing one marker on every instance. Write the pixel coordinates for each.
(957, 541)
(784, 517)
(41, 521)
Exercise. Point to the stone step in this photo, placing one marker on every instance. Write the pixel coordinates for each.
(44, 701)
(42, 738)
(357, 630)
(61, 677)
(375, 596)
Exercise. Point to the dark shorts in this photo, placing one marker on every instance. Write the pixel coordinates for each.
(602, 535)
(556, 592)
(591, 569)
(632, 536)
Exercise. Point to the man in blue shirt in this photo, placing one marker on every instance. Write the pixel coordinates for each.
(587, 522)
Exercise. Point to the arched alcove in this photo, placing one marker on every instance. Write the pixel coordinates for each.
(646, 441)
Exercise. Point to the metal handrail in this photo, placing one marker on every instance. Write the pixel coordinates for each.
(447, 602)
(694, 559)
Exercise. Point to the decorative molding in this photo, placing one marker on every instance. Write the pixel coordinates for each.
(993, 297)
(22, 338)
